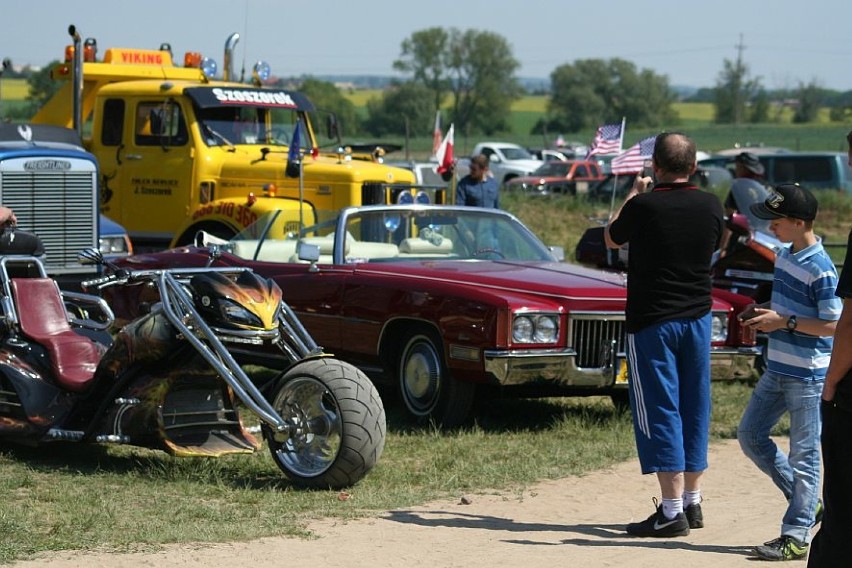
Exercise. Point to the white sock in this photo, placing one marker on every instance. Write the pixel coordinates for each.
(691, 497)
(671, 507)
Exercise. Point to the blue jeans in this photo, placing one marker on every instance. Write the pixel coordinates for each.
(796, 475)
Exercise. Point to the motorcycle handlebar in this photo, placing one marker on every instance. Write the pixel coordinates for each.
(121, 276)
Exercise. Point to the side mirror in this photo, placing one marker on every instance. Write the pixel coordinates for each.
(494, 159)
(333, 128)
(307, 252)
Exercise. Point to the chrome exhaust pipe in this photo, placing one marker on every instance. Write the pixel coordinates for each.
(227, 68)
(77, 77)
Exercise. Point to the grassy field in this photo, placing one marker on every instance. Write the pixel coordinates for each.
(69, 497)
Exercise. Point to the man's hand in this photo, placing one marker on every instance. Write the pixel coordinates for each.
(762, 319)
(641, 184)
(7, 216)
(829, 389)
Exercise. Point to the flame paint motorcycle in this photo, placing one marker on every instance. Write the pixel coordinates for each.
(166, 379)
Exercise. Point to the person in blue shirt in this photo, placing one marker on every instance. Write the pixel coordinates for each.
(800, 319)
(828, 549)
(478, 188)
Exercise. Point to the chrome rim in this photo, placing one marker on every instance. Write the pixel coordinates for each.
(420, 370)
(316, 431)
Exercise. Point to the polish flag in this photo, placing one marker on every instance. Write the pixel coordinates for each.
(445, 152)
(436, 134)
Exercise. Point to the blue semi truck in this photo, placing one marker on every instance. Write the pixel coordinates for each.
(51, 182)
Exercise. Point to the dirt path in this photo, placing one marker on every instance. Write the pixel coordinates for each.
(575, 521)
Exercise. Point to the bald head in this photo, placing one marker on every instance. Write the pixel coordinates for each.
(674, 154)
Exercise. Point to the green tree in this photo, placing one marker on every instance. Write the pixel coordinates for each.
(41, 86)
(591, 92)
(404, 103)
(810, 101)
(735, 89)
(476, 68)
(327, 97)
(424, 56)
(759, 107)
(483, 81)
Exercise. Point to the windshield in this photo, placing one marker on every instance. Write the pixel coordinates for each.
(553, 169)
(511, 153)
(236, 125)
(745, 193)
(395, 235)
(442, 233)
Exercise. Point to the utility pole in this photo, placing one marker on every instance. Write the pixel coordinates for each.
(7, 64)
(739, 87)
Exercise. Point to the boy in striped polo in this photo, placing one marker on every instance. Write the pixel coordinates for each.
(800, 320)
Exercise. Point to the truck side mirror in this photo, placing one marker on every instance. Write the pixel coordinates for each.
(334, 130)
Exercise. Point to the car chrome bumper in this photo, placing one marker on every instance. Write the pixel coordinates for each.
(558, 366)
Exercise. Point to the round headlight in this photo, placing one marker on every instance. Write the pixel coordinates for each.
(546, 330)
(522, 329)
(209, 67)
(262, 71)
(422, 198)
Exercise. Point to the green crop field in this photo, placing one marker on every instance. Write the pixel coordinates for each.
(14, 89)
(694, 118)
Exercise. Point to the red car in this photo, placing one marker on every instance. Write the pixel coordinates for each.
(447, 303)
(557, 177)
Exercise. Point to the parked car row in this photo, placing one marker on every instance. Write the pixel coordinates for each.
(569, 177)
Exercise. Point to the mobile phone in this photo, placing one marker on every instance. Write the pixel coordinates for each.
(647, 170)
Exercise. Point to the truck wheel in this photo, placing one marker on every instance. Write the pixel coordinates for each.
(427, 388)
(220, 230)
(337, 424)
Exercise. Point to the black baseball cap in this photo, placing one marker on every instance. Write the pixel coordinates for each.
(787, 200)
(750, 162)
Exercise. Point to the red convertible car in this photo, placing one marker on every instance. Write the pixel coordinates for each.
(447, 303)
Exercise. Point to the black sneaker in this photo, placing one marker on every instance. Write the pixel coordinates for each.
(657, 525)
(783, 548)
(694, 516)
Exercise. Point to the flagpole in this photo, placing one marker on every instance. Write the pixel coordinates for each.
(301, 192)
(453, 183)
(612, 198)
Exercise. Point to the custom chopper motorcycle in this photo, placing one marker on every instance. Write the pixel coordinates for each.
(167, 380)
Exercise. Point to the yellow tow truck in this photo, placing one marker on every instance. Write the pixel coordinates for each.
(181, 152)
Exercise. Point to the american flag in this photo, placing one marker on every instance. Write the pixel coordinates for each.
(631, 160)
(607, 140)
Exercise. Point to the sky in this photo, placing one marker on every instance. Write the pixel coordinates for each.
(785, 42)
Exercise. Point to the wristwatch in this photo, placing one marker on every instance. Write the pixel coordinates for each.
(792, 323)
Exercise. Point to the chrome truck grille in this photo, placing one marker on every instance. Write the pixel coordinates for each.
(58, 206)
(595, 337)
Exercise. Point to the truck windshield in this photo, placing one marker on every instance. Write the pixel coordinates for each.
(238, 125)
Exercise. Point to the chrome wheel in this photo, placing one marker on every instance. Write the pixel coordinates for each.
(312, 444)
(337, 424)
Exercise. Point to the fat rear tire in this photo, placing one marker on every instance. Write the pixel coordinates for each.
(337, 424)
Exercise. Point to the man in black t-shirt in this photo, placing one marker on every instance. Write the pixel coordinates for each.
(673, 230)
(828, 549)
